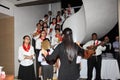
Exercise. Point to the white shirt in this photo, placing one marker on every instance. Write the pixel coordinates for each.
(37, 36)
(52, 26)
(21, 56)
(71, 11)
(41, 58)
(54, 41)
(79, 59)
(38, 43)
(53, 29)
(99, 48)
(47, 21)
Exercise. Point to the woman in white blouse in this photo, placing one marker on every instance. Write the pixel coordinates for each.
(26, 57)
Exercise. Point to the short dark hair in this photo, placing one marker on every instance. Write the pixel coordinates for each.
(94, 34)
(45, 15)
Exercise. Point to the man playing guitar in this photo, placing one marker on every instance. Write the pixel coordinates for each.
(94, 60)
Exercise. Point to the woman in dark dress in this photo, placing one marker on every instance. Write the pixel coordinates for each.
(67, 52)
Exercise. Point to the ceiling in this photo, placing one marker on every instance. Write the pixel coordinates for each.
(21, 3)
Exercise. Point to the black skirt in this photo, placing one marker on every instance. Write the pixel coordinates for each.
(26, 72)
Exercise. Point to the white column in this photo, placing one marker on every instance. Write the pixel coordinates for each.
(119, 19)
(50, 7)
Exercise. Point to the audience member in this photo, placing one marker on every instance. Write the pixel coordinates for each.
(108, 46)
(116, 48)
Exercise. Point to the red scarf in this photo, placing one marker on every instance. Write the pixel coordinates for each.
(58, 21)
(38, 31)
(26, 48)
(59, 37)
(69, 11)
(53, 24)
(96, 42)
(50, 30)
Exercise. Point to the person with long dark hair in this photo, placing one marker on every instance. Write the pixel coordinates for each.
(26, 57)
(67, 51)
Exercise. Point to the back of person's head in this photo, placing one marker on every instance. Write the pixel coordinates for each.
(69, 44)
(45, 44)
(67, 35)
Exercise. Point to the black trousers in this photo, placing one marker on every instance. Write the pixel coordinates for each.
(94, 61)
(37, 63)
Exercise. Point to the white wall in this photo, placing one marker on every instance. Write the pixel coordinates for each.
(55, 7)
(98, 16)
(119, 16)
(101, 16)
(25, 23)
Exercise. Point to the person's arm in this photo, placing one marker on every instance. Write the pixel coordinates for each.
(51, 59)
(87, 45)
(85, 53)
(40, 57)
(32, 52)
(38, 44)
(102, 48)
(81, 51)
(20, 54)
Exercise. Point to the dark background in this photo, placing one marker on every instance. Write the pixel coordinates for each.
(111, 34)
(73, 3)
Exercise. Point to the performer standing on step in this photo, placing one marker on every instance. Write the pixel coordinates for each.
(26, 57)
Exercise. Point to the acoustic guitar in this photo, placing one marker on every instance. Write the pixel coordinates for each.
(91, 50)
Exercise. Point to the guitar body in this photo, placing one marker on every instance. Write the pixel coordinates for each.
(91, 50)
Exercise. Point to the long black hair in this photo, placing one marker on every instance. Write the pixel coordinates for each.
(69, 44)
